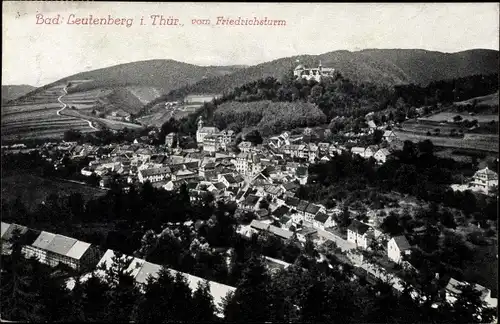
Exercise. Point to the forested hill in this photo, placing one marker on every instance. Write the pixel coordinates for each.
(379, 66)
(332, 97)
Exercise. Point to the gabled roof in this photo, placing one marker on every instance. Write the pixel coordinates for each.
(43, 240)
(491, 175)
(10, 230)
(280, 211)
(312, 209)
(230, 179)
(401, 242)
(259, 225)
(280, 232)
(302, 206)
(358, 227)
(78, 250)
(251, 200)
(321, 217)
(4, 228)
(61, 244)
(292, 201)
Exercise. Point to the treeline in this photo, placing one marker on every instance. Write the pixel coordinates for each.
(318, 295)
(448, 91)
(338, 96)
(269, 117)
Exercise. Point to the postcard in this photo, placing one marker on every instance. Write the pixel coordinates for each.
(249, 162)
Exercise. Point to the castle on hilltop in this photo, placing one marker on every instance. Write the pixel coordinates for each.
(312, 73)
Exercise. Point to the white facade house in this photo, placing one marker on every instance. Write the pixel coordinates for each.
(312, 73)
(154, 174)
(485, 179)
(322, 221)
(397, 247)
(382, 155)
(359, 234)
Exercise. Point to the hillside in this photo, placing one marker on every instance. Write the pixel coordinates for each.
(380, 66)
(267, 116)
(488, 102)
(11, 92)
(163, 75)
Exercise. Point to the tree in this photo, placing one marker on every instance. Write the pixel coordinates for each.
(469, 308)
(123, 293)
(251, 301)
(254, 137)
(203, 305)
(457, 118)
(19, 302)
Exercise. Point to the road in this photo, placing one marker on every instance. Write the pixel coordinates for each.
(65, 105)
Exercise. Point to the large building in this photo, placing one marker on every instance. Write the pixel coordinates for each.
(212, 138)
(312, 73)
(54, 249)
(248, 164)
(486, 179)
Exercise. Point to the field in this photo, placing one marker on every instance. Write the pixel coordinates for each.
(36, 116)
(444, 116)
(487, 145)
(33, 189)
(488, 101)
(37, 121)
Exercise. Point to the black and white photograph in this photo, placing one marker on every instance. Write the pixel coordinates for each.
(200, 162)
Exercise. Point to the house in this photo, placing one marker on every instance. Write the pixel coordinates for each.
(485, 179)
(184, 174)
(311, 211)
(370, 151)
(247, 164)
(258, 226)
(280, 212)
(204, 131)
(322, 221)
(170, 139)
(154, 174)
(211, 143)
(312, 73)
(389, 136)
(280, 232)
(454, 289)
(285, 222)
(382, 155)
(290, 187)
(359, 234)
(306, 233)
(55, 249)
(26, 236)
(230, 180)
(250, 202)
(207, 171)
(245, 146)
(396, 247)
(292, 202)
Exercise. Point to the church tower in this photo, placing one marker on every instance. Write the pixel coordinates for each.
(200, 123)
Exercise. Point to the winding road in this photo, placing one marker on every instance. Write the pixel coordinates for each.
(65, 105)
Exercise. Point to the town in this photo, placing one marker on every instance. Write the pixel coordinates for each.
(262, 181)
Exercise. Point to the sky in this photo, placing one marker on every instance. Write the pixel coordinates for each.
(37, 54)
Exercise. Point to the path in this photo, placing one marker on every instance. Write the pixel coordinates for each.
(65, 105)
